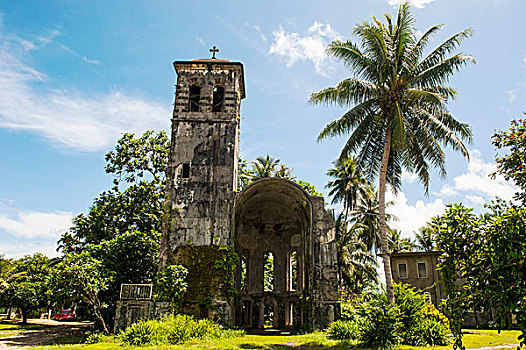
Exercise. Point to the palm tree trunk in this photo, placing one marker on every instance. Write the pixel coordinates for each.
(381, 211)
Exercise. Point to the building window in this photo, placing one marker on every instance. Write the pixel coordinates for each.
(293, 271)
(195, 96)
(186, 171)
(217, 100)
(402, 270)
(268, 272)
(244, 271)
(422, 270)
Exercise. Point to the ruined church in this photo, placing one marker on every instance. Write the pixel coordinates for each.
(285, 266)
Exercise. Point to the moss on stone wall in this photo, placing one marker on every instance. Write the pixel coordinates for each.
(210, 281)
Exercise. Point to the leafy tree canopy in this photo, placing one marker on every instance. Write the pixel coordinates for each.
(26, 284)
(513, 165)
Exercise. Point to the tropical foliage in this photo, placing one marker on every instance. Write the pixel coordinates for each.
(487, 253)
(398, 117)
(513, 165)
(26, 284)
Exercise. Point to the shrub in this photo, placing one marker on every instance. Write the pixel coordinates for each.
(421, 323)
(181, 328)
(348, 311)
(141, 333)
(410, 305)
(378, 323)
(174, 330)
(433, 333)
(171, 286)
(431, 312)
(343, 330)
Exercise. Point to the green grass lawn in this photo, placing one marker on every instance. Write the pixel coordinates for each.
(314, 341)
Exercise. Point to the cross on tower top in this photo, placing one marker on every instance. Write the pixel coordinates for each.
(213, 51)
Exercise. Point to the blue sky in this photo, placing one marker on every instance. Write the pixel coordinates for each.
(76, 74)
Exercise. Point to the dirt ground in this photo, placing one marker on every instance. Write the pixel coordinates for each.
(52, 332)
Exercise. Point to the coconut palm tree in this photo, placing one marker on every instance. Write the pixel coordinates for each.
(367, 214)
(425, 239)
(348, 185)
(397, 243)
(264, 167)
(357, 265)
(398, 117)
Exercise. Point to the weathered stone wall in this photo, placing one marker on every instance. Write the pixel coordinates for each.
(276, 215)
(200, 206)
(324, 271)
(131, 311)
(210, 282)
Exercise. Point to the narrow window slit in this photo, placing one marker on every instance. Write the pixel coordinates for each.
(218, 98)
(195, 96)
(268, 273)
(186, 171)
(293, 271)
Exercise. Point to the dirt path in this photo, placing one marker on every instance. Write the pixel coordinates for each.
(52, 332)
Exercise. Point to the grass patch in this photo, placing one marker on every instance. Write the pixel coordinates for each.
(311, 341)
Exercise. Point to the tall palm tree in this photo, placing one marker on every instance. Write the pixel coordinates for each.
(348, 184)
(357, 265)
(399, 118)
(367, 214)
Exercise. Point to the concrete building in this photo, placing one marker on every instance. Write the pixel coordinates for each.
(419, 269)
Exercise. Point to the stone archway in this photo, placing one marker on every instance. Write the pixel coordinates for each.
(273, 217)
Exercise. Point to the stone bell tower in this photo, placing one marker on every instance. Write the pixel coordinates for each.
(201, 177)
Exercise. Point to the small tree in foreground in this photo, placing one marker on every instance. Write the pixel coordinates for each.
(83, 276)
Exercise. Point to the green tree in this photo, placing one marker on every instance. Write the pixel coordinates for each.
(171, 286)
(27, 284)
(264, 167)
(122, 228)
(79, 274)
(348, 184)
(399, 117)
(513, 165)
(367, 214)
(456, 232)
(425, 239)
(495, 271)
(397, 243)
(269, 167)
(357, 265)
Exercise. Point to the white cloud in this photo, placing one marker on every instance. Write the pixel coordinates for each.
(408, 177)
(416, 3)
(293, 47)
(447, 191)
(412, 217)
(200, 41)
(68, 117)
(18, 250)
(84, 58)
(473, 188)
(512, 95)
(30, 224)
(476, 181)
(258, 30)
